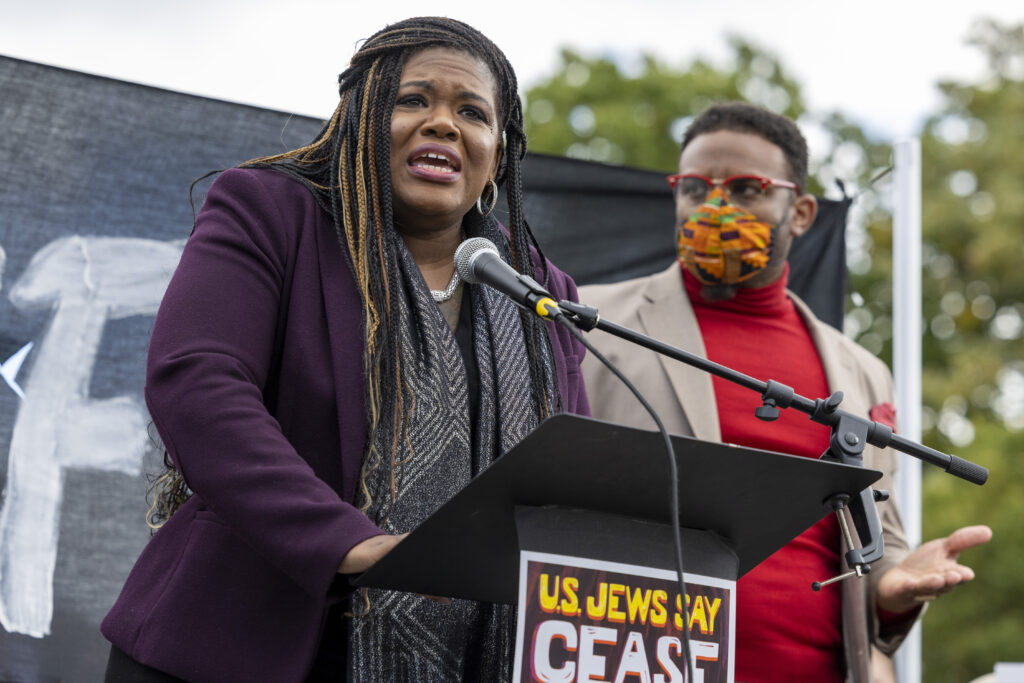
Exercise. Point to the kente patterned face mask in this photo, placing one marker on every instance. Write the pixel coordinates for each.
(722, 244)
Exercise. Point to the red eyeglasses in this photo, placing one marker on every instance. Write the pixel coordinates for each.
(741, 189)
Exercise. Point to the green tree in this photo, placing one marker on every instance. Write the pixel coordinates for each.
(973, 213)
(973, 351)
(592, 109)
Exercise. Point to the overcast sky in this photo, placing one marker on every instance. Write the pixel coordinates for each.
(876, 61)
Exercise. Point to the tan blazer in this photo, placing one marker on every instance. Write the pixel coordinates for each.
(658, 306)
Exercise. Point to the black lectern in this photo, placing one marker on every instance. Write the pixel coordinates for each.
(573, 525)
(744, 503)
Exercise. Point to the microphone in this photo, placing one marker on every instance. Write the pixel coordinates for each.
(477, 261)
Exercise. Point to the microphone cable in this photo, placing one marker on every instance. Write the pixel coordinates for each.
(673, 469)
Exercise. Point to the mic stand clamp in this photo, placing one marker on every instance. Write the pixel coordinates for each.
(860, 568)
(849, 434)
(775, 396)
(854, 557)
(582, 316)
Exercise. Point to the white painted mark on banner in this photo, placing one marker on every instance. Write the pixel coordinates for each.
(9, 369)
(86, 281)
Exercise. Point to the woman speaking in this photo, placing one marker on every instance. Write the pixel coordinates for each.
(322, 382)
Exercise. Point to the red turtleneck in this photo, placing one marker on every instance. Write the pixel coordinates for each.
(779, 619)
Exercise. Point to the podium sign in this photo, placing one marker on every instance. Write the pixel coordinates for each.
(581, 619)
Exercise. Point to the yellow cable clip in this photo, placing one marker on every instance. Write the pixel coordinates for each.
(545, 306)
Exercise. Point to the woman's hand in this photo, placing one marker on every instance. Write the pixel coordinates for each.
(365, 554)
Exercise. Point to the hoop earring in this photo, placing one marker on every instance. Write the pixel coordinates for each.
(493, 201)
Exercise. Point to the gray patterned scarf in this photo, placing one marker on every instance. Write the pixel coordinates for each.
(406, 637)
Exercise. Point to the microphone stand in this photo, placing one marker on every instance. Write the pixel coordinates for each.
(849, 434)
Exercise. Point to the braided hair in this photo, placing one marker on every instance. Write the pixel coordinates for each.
(347, 169)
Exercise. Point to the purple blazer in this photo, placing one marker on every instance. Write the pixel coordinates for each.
(255, 384)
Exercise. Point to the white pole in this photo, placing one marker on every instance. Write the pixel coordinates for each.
(906, 360)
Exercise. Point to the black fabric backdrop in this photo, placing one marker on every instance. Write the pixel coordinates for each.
(94, 177)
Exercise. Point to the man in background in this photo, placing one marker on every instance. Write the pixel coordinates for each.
(740, 202)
